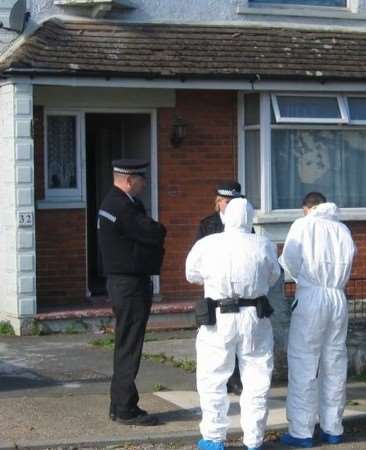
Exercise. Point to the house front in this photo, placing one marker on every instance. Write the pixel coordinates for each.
(270, 93)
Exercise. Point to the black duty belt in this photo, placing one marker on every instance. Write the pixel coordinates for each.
(233, 304)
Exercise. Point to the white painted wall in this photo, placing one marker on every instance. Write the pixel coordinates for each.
(17, 243)
(178, 10)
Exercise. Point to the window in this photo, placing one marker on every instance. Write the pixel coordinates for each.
(252, 150)
(324, 160)
(357, 109)
(336, 3)
(62, 162)
(300, 147)
(309, 109)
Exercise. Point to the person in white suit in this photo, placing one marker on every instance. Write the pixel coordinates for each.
(237, 269)
(318, 255)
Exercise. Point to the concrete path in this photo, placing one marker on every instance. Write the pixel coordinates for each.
(54, 393)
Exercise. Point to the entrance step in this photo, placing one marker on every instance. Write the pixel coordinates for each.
(98, 316)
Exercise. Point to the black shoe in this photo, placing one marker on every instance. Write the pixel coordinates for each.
(136, 411)
(145, 420)
(136, 416)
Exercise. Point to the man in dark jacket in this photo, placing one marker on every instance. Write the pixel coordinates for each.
(132, 249)
(211, 224)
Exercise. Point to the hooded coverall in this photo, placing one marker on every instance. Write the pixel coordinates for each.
(234, 263)
(318, 255)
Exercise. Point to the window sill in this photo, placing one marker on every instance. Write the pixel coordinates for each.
(313, 12)
(288, 216)
(60, 204)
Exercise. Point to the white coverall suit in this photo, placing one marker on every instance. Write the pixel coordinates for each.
(318, 255)
(234, 263)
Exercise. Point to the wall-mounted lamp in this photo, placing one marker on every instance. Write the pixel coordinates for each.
(179, 129)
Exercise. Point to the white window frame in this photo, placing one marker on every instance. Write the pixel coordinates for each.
(71, 194)
(278, 3)
(343, 110)
(266, 214)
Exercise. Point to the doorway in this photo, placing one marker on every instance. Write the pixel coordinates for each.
(110, 136)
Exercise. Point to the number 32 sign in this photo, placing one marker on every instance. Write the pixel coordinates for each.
(25, 219)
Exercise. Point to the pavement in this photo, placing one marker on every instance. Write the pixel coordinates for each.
(54, 394)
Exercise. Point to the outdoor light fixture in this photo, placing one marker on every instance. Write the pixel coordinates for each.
(178, 131)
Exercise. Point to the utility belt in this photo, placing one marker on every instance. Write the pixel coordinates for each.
(206, 308)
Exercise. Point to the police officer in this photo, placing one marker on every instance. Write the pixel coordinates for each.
(132, 249)
(211, 224)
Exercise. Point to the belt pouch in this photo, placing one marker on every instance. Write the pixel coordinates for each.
(205, 312)
(229, 305)
(264, 308)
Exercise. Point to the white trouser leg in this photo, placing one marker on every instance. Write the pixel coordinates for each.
(215, 364)
(333, 372)
(256, 366)
(307, 328)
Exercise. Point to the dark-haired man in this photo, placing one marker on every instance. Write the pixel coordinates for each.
(318, 255)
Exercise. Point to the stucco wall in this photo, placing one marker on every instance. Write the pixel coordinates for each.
(177, 10)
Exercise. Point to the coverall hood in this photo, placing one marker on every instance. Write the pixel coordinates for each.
(328, 210)
(239, 215)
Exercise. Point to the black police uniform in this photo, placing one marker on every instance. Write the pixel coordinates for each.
(210, 225)
(132, 249)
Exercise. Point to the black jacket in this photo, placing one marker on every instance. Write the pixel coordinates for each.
(210, 225)
(130, 241)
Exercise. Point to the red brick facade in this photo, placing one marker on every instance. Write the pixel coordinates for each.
(188, 174)
(187, 178)
(61, 256)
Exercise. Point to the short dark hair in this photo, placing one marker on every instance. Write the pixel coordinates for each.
(312, 199)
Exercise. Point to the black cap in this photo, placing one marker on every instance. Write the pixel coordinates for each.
(230, 189)
(130, 166)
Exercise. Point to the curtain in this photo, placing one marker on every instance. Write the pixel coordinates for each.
(61, 152)
(327, 161)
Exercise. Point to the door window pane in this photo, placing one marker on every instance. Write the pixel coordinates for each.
(304, 107)
(61, 152)
(328, 161)
(252, 168)
(339, 3)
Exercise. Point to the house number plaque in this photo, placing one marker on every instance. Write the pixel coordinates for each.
(25, 219)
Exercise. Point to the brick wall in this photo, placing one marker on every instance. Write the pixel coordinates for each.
(187, 179)
(188, 174)
(61, 256)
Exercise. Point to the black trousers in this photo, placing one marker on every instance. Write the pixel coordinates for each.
(131, 298)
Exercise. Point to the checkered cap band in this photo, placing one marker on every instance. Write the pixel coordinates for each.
(227, 193)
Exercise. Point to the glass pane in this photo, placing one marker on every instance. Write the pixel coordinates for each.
(328, 161)
(357, 108)
(301, 2)
(308, 107)
(251, 109)
(61, 152)
(252, 168)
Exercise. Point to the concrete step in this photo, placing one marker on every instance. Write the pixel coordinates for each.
(97, 315)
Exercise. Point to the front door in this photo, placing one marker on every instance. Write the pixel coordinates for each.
(109, 137)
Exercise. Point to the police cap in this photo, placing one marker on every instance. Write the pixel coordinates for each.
(230, 189)
(130, 166)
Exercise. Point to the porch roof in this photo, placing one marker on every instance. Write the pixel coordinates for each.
(161, 51)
